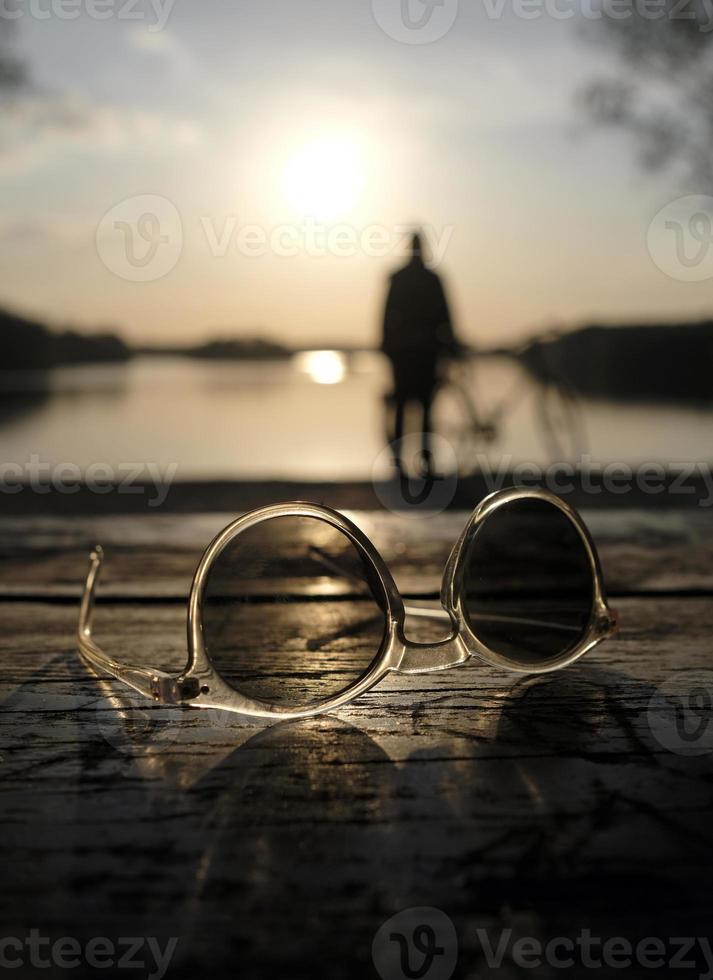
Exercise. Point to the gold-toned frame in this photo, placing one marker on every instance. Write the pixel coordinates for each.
(200, 685)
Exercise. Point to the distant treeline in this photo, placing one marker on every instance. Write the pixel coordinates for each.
(252, 349)
(31, 346)
(657, 362)
(26, 345)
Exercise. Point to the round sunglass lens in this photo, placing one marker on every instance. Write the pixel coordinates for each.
(528, 583)
(293, 614)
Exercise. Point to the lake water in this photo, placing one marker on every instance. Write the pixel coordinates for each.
(318, 416)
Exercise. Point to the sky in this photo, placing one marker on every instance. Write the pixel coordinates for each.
(249, 167)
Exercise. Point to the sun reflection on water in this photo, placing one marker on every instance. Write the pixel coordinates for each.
(324, 367)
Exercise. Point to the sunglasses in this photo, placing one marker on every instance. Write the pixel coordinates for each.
(293, 612)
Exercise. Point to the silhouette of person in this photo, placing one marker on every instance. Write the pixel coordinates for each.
(417, 337)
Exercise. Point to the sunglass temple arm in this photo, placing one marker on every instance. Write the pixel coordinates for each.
(155, 684)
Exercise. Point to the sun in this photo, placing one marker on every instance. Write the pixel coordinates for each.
(324, 177)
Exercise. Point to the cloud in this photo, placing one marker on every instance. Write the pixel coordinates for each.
(162, 44)
(35, 128)
(28, 235)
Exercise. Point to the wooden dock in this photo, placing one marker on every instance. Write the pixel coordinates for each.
(544, 806)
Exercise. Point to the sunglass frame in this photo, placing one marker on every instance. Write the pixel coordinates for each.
(200, 685)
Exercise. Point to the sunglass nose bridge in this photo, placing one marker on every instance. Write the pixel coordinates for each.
(424, 658)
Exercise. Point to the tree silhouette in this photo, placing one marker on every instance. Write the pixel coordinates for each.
(661, 88)
(12, 70)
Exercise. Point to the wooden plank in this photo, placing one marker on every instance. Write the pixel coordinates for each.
(461, 708)
(540, 805)
(469, 790)
(156, 556)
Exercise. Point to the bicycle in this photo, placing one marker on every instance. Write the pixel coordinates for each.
(473, 431)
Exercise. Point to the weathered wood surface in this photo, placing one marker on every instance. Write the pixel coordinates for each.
(157, 555)
(542, 805)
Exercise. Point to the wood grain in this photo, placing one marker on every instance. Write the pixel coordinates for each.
(541, 805)
(156, 556)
